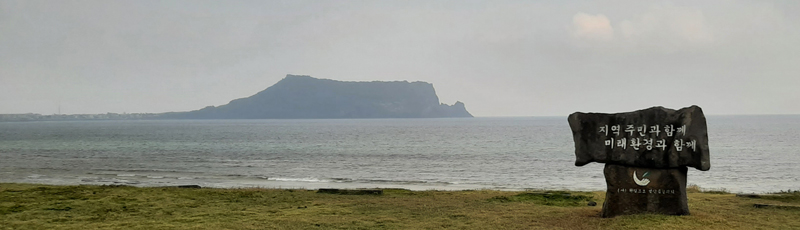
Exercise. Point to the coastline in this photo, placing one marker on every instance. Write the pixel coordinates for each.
(33, 206)
(281, 183)
(135, 180)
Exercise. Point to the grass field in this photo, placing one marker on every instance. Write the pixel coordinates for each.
(28, 206)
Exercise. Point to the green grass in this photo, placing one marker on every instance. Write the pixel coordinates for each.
(552, 198)
(28, 206)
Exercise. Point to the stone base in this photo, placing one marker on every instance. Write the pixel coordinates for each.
(633, 190)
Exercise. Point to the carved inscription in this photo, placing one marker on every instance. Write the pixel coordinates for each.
(654, 138)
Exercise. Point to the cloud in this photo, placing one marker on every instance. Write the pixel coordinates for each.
(656, 29)
(667, 25)
(660, 29)
(592, 27)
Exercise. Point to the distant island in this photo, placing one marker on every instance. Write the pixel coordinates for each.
(305, 97)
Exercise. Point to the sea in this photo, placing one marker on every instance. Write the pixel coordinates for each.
(749, 154)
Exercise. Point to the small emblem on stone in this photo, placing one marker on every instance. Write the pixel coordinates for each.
(642, 182)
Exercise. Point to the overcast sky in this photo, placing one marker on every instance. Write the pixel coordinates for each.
(501, 58)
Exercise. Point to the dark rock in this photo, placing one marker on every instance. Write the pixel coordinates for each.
(115, 185)
(761, 205)
(623, 138)
(592, 203)
(189, 186)
(749, 195)
(777, 206)
(633, 190)
(305, 97)
(753, 195)
(351, 191)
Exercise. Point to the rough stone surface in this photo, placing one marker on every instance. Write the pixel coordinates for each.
(351, 191)
(598, 138)
(661, 191)
(189, 186)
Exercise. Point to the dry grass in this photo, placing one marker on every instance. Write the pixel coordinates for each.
(26, 206)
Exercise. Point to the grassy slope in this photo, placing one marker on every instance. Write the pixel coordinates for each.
(26, 206)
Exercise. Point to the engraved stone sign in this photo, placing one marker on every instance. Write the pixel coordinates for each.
(646, 153)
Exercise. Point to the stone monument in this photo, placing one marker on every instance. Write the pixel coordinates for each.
(646, 154)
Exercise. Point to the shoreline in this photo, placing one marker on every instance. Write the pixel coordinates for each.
(33, 206)
(280, 183)
(419, 187)
(306, 185)
(139, 179)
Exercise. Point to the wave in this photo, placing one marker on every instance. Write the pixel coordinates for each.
(100, 170)
(351, 180)
(108, 180)
(309, 179)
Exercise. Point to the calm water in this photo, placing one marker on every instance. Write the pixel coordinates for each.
(748, 153)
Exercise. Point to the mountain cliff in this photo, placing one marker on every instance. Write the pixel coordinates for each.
(304, 97)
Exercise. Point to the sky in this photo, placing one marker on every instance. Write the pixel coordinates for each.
(501, 58)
